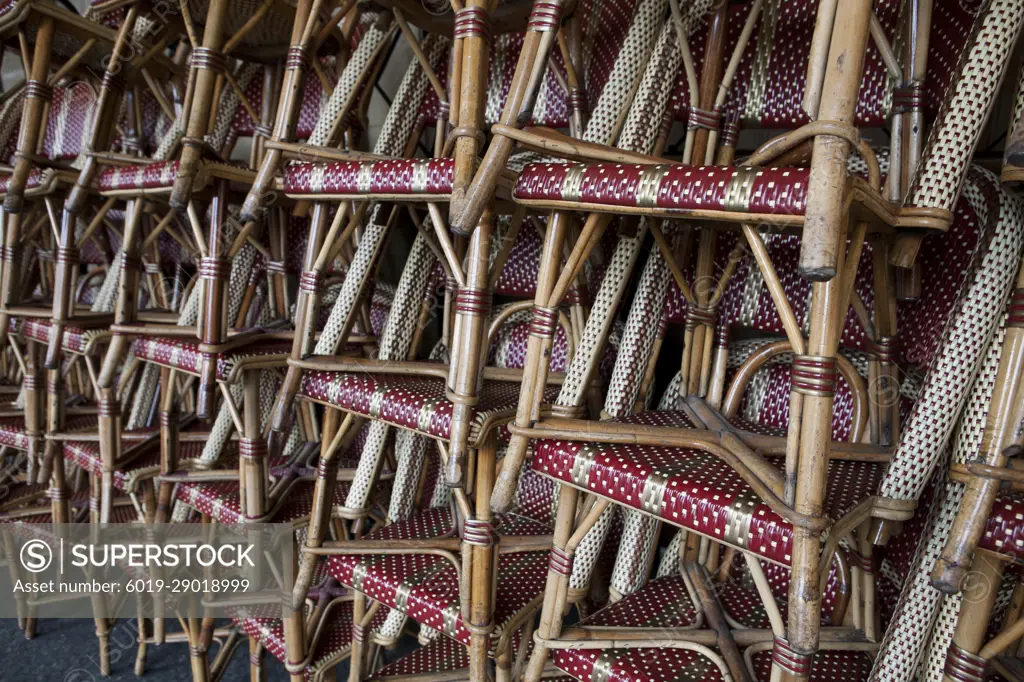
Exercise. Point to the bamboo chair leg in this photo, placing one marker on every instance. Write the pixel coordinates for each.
(256, 670)
(54, 455)
(169, 440)
(358, 654)
(470, 345)
(307, 307)
(538, 350)
(34, 409)
(821, 243)
(821, 258)
(205, 76)
(338, 434)
(215, 270)
(64, 269)
(971, 626)
(557, 586)
(483, 574)
(37, 98)
(287, 113)
(1004, 414)
(197, 656)
(14, 571)
(866, 547)
(103, 638)
(468, 205)
(140, 654)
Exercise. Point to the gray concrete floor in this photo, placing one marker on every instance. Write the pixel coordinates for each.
(66, 651)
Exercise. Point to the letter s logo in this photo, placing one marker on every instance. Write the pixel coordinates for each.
(36, 556)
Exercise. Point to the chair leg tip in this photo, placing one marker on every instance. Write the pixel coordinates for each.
(947, 578)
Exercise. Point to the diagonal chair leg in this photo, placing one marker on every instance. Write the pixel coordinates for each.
(207, 62)
(37, 97)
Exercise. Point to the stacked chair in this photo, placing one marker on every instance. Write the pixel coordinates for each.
(637, 339)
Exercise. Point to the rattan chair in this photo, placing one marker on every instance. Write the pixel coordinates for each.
(415, 403)
(768, 197)
(982, 541)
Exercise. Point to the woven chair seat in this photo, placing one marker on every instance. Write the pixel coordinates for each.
(221, 501)
(1004, 532)
(333, 642)
(414, 402)
(781, 191)
(826, 666)
(160, 176)
(441, 657)
(22, 493)
(86, 455)
(425, 587)
(357, 178)
(695, 489)
(141, 176)
(13, 434)
(39, 181)
(742, 603)
(184, 354)
(665, 603)
(75, 339)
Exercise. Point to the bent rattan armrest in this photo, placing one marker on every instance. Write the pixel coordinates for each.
(548, 141)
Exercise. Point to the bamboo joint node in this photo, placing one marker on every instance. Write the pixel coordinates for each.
(38, 90)
(544, 322)
(479, 532)
(560, 561)
(473, 301)
(703, 118)
(252, 448)
(789, 660)
(815, 375)
(545, 16)
(207, 58)
(964, 666)
(472, 22)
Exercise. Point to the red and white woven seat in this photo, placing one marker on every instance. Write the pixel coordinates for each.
(40, 181)
(694, 489)
(141, 176)
(426, 587)
(332, 642)
(75, 339)
(222, 503)
(72, 106)
(441, 655)
(357, 178)
(86, 455)
(743, 605)
(160, 176)
(665, 603)
(1004, 532)
(416, 403)
(13, 434)
(184, 354)
(725, 190)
